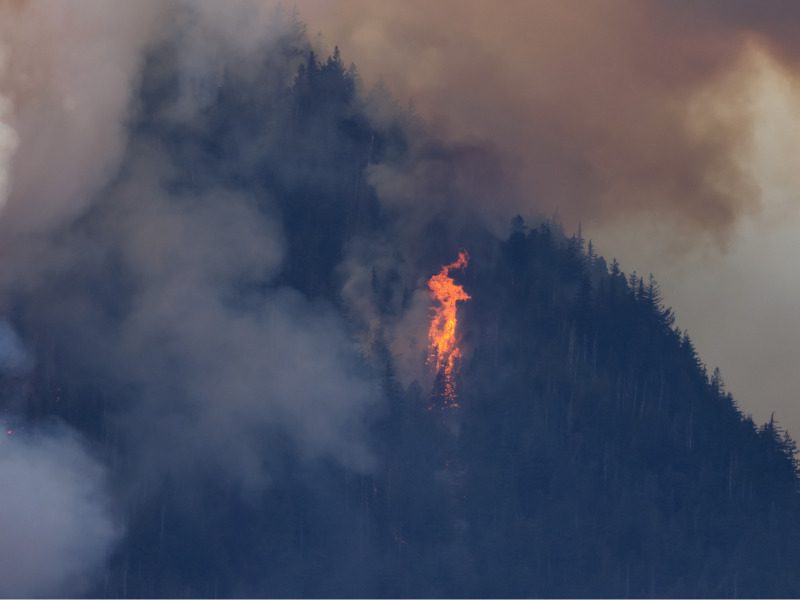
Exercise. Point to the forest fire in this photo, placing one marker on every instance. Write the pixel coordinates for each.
(442, 336)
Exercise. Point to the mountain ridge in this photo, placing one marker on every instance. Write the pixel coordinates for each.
(591, 453)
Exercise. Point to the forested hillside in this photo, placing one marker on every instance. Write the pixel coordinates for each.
(591, 452)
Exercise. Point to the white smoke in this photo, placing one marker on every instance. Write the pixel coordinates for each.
(56, 529)
(215, 379)
(221, 379)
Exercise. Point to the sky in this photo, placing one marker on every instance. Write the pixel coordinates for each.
(667, 130)
(739, 301)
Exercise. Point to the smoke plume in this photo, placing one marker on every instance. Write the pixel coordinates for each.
(68, 73)
(54, 514)
(599, 110)
(209, 367)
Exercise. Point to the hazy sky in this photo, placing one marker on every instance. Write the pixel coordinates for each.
(667, 128)
(740, 301)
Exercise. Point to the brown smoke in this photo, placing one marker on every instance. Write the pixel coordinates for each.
(66, 75)
(600, 109)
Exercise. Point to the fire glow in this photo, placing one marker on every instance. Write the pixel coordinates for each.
(444, 351)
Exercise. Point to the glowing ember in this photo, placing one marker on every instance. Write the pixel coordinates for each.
(444, 351)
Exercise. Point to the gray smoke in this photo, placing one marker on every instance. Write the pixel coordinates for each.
(15, 359)
(56, 523)
(219, 377)
(217, 367)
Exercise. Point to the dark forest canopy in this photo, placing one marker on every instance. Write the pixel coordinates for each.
(592, 454)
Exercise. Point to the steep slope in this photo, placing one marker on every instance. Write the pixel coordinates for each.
(622, 467)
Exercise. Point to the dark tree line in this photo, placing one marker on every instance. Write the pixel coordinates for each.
(627, 468)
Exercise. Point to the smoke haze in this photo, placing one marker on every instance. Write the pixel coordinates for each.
(57, 525)
(600, 110)
(229, 368)
(613, 113)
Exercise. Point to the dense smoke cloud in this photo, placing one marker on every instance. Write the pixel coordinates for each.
(56, 520)
(212, 370)
(598, 110)
(282, 362)
(67, 75)
(221, 373)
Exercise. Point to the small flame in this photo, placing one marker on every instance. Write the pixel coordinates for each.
(444, 351)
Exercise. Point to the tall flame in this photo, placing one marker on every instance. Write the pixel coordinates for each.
(444, 351)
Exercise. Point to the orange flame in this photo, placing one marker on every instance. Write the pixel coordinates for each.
(444, 351)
